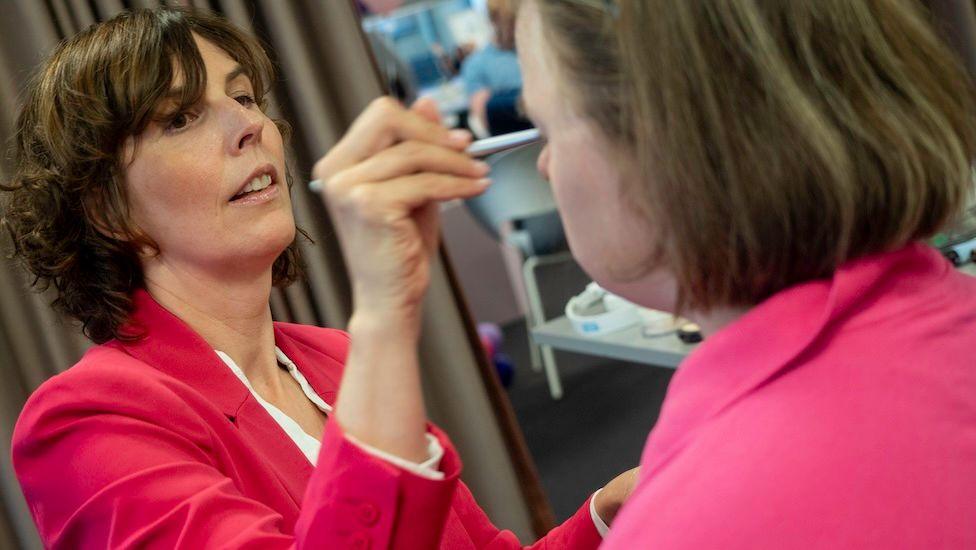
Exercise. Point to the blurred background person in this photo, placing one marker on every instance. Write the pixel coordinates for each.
(492, 76)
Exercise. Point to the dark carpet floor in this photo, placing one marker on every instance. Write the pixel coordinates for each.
(598, 428)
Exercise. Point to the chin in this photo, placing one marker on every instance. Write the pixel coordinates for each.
(630, 279)
(268, 243)
(657, 291)
(281, 225)
(282, 239)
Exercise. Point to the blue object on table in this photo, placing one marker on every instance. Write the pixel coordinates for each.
(505, 368)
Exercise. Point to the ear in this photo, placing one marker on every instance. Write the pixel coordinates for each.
(96, 212)
(98, 203)
(98, 215)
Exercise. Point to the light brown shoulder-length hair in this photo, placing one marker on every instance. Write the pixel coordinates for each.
(66, 207)
(771, 141)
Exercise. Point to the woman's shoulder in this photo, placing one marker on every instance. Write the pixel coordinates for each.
(104, 369)
(105, 381)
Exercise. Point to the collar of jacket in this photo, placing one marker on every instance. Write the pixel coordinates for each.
(172, 347)
(767, 341)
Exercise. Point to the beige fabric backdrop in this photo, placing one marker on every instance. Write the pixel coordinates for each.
(327, 78)
(323, 61)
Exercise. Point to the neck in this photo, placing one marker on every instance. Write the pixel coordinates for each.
(716, 319)
(231, 313)
(658, 289)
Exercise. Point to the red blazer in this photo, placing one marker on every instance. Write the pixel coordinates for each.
(157, 444)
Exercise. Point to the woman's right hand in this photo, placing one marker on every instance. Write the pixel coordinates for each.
(382, 184)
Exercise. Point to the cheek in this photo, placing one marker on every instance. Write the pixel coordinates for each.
(608, 237)
(584, 193)
(273, 139)
(166, 191)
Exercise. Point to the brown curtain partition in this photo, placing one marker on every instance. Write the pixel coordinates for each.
(326, 80)
(327, 77)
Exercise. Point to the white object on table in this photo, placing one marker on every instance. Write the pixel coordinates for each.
(628, 344)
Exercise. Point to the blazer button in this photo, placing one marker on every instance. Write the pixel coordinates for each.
(369, 514)
(359, 541)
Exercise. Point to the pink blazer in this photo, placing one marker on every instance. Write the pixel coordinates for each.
(837, 414)
(157, 444)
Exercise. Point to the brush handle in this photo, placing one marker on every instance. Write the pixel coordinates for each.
(504, 142)
(480, 148)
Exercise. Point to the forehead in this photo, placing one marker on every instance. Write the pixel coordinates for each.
(212, 53)
(526, 27)
(215, 60)
(537, 72)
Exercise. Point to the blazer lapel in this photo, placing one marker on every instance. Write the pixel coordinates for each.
(287, 461)
(322, 370)
(172, 347)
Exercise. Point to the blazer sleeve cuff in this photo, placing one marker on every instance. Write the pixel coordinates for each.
(601, 526)
(429, 468)
(576, 533)
(356, 499)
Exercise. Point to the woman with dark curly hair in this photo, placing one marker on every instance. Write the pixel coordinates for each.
(151, 192)
(768, 168)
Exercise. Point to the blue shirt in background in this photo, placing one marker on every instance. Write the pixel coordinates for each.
(492, 68)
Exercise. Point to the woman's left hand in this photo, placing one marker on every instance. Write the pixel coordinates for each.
(613, 495)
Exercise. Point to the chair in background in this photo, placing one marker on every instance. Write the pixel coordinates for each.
(520, 198)
(503, 113)
(426, 69)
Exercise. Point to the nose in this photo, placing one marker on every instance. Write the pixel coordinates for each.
(246, 125)
(542, 165)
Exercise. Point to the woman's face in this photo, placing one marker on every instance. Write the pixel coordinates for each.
(608, 237)
(189, 179)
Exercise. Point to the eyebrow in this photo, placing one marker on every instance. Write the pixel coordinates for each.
(237, 71)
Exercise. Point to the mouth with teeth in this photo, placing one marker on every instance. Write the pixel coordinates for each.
(254, 187)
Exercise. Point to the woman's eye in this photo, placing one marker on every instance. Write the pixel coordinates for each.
(180, 120)
(245, 100)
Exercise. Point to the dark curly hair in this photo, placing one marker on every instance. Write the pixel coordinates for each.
(66, 207)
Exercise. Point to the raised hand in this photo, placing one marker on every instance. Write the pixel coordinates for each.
(382, 184)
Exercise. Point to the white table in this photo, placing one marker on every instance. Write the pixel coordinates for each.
(628, 344)
(451, 98)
